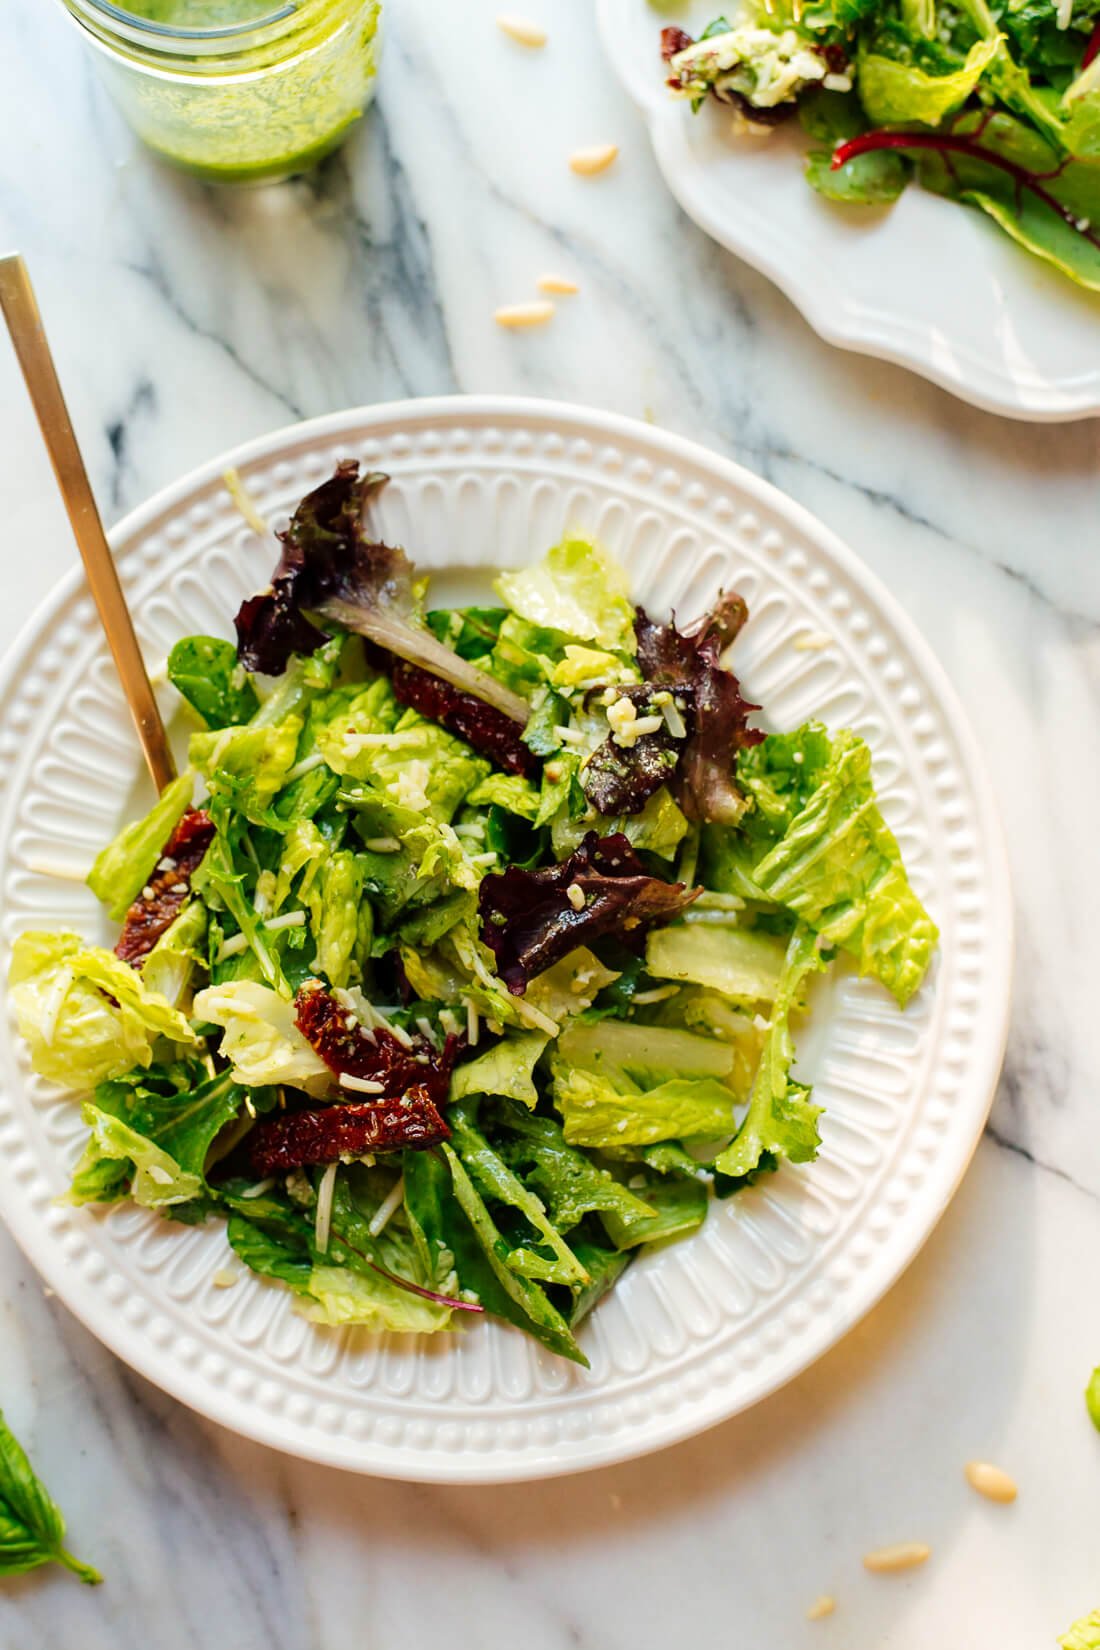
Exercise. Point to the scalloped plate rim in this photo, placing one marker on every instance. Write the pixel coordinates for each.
(375, 1458)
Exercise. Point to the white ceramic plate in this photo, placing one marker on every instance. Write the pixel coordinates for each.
(779, 1273)
(926, 283)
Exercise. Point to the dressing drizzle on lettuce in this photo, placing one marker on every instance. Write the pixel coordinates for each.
(465, 960)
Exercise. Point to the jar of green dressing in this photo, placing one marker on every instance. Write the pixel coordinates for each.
(237, 91)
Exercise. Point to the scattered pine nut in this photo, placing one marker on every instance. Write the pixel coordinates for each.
(556, 283)
(524, 315)
(811, 641)
(590, 161)
(823, 1606)
(224, 1278)
(990, 1481)
(906, 1555)
(522, 30)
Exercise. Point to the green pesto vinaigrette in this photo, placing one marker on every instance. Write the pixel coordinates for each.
(237, 91)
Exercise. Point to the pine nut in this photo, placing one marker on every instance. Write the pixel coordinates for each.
(823, 1606)
(556, 283)
(523, 315)
(990, 1481)
(590, 161)
(906, 1555)
(522, 30)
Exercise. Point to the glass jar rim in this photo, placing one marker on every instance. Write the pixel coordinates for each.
(118, 18)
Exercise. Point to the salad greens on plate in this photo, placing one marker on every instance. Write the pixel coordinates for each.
(994, 103)
(472, 972)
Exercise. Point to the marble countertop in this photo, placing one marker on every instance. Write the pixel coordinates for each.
(185, 320)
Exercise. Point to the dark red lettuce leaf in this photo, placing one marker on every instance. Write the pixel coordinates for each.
(620, 779)
(529, 922)
(713, 707)
(484, 727)
(168, 889)
(295, 1139)
(329, 567)
(376, 1055)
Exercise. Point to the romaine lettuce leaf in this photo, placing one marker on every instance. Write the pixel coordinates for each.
(482, 1265)
(645, 1055)
(577, 590)
(153, 1132)
(248, 765)
(738, 962)
(599, 1111)
(123, 868)
(781, 1120)
(506, 790)
(505, 1069)
(1084, 1634)
(897, 93)
(839, 868)
(260, 1039)
(85, 1015)
(679, 1206)
(494, 1179)
(170, 966)
(570, 1183)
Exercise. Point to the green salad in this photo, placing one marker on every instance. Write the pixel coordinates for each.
(461, 964)
(995, 103)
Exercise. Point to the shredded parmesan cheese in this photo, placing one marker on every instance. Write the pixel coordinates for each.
(361, 1085)
(325, 1193)
(389, 1206)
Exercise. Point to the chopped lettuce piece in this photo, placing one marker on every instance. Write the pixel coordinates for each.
(781, 1120)
(569, 1182)
(601, 1111)
(170, 966)
(260, 1038)
(506, 790)
(896, 93)
(679, 1207)
(502, 1291)
(85, 1015)
(575, 589)
(495, 1180)
(1092, 1398)
(1084, 1634)
(738, 962)
(505, 1069)
(839, 868)
(646, 1055)
(153, 1133)
(248, 765)
(126, 864)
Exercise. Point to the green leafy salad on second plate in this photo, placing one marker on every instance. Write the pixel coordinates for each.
(994, 103)
(461, 964)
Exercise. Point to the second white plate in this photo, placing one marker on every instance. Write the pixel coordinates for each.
(926, 283)
(695, 1331)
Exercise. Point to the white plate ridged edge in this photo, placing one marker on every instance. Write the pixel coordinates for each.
(779, 1274)
(930, 286)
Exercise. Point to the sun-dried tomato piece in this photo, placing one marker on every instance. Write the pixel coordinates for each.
(348, 1047)
(488, 730)
(165, 894)
(278, 1144)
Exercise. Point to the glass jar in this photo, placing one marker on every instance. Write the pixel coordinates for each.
(237, 91)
